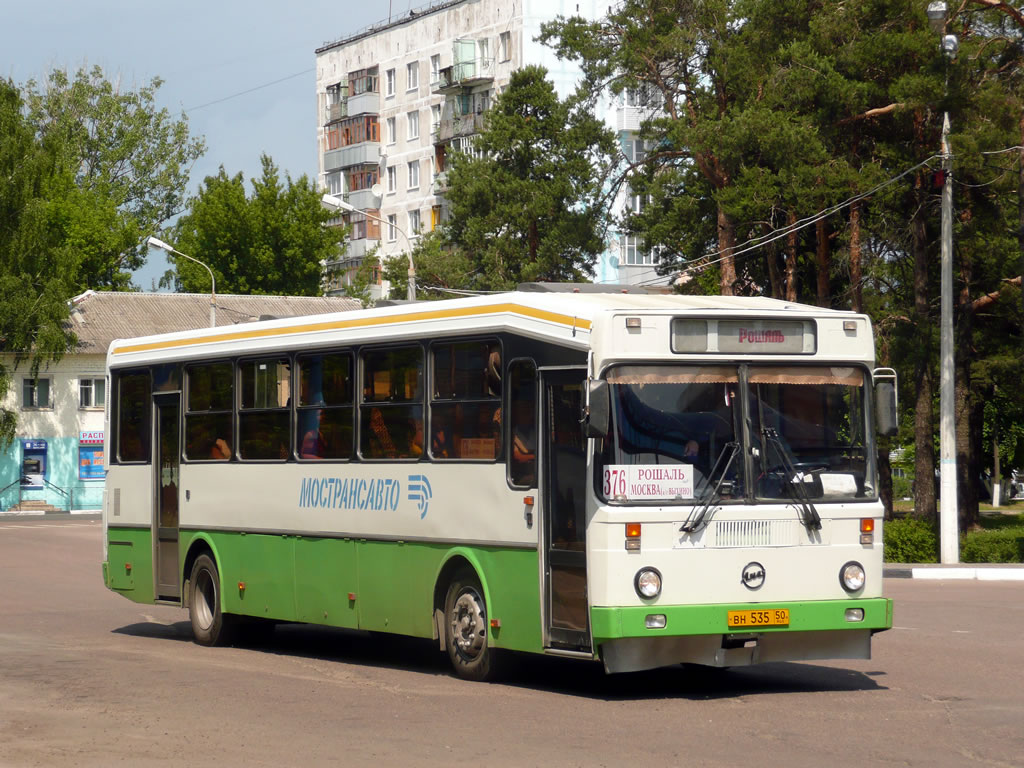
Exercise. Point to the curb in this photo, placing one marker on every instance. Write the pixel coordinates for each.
(956, 572)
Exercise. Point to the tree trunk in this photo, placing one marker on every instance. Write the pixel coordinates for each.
(790, 268)
(821, 258)
(856, 276)
(924, 421)
(1020, 219)
(774, 276)
(965, 414)
(726, 245)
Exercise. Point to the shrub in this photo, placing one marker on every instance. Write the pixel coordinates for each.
(910, 540)
(1003, 545)
(901, 488)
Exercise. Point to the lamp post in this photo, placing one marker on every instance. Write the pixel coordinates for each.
(949, 539)
(336, 203)
(153, 242)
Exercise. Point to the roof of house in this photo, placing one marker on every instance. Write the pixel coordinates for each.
(99, 317)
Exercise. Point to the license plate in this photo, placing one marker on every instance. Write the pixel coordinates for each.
(768, 617)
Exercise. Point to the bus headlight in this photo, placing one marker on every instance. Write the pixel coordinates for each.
(647, 582)
(852, 576)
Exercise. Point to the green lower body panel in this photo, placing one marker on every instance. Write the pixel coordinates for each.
(701, 634)
(129, 567)
(386, 586)
(612, 623)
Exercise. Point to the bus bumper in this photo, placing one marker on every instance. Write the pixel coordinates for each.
(699, 634)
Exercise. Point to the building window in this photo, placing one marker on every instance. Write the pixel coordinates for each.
(414, 125)
(392, 227)
(414, 174)
(435, 68)
(35, 393)
(435, 118)
(389, 83)
(634, 252)
(92, 393)
(390, 130)
(414, 222)
(392, 178)
(435, 217)
(334, 182)
(412, 75)
(505, 44)
(484, 49)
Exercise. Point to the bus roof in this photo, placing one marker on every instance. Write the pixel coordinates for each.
(563, 316)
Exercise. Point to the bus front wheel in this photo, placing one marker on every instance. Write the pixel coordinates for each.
(465, 623)
(209, 625)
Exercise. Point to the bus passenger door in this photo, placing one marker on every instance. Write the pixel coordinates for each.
(167, 410)
(563, 493)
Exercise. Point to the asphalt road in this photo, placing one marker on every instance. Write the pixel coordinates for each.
(90, 679)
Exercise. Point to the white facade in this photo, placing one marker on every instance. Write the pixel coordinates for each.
(409, 91)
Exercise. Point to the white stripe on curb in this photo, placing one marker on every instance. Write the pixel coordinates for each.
(980, 574)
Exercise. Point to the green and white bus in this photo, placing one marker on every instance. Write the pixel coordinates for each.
(641, 479)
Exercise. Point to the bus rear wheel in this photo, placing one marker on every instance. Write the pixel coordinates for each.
(209, 624)
(465, 626)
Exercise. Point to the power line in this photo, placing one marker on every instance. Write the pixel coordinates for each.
(250, 90)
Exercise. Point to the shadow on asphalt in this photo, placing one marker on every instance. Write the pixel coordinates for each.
(563, 676)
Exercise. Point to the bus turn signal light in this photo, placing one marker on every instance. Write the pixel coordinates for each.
(632, 537)
(867, 530)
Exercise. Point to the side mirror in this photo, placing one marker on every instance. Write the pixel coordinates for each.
(596, 414)
(886, 420)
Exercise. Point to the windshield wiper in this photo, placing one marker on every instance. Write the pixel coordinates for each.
(794, 481)
(710, 493)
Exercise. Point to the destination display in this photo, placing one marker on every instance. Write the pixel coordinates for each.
(648, 482)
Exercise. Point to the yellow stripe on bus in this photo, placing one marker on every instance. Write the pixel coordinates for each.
(363, 322)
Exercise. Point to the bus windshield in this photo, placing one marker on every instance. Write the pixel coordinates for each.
(677, 433)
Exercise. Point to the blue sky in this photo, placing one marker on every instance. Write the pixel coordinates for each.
(205, 52)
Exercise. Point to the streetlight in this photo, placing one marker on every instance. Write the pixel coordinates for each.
(152, 242)
(948, 504)
(335, 202)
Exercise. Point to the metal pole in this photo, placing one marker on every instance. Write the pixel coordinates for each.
(949, 534)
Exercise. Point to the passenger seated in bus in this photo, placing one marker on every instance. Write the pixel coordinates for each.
(415, 437)
(220, 450)
(524, 442)
(381, 445)
(313, 444)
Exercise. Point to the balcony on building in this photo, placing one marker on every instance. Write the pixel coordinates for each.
(440, 185)
(336, 107)
(363, 91)
(352, 141)
(469, 70)
(459, 125)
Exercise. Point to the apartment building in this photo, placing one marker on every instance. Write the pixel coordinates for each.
(396, 99)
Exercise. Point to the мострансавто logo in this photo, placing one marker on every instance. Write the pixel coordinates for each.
(376, 494)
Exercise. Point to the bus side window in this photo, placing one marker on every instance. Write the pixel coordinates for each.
(208, 415)
(391, 412)
(465, 401)
(522, 423)
(263, 415)
(324, 411)
(132, 423)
